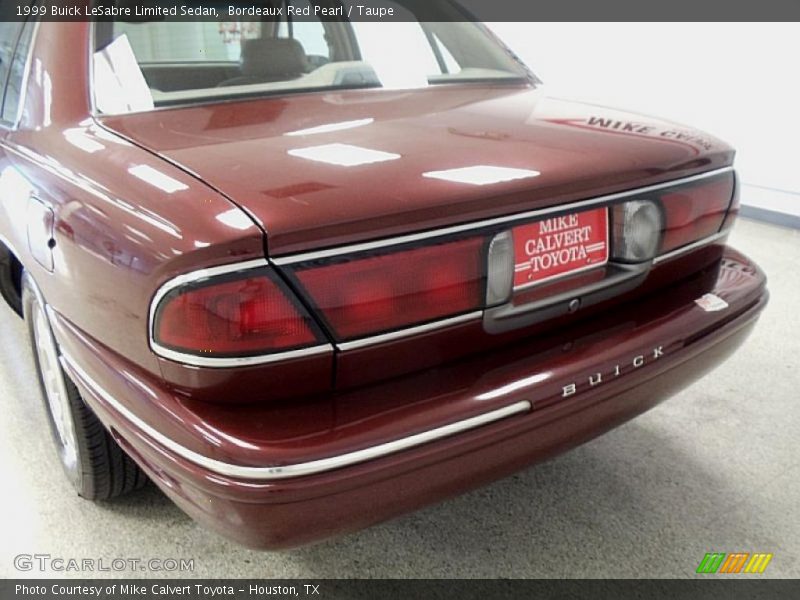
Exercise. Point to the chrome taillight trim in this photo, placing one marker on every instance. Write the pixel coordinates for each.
(693, 246)
(275, 472)
(409, 331)
(216, 362)
(489, 223)
(239, 361)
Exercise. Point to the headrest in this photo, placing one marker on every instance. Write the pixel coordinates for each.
(273, 58)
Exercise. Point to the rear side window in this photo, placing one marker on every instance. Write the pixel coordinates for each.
(16, 74)
(9, 34)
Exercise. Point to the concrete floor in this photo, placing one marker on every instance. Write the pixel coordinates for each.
(714, 469)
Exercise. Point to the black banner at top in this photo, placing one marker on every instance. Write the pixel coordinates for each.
(401, 10)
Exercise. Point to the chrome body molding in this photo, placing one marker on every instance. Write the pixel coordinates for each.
(488, 223)
(409, 331)
(239, 361)
(277, 472)
(693, 246)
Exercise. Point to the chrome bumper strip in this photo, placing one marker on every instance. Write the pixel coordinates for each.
(277, 472)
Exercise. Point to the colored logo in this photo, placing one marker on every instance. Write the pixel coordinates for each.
(736, 562)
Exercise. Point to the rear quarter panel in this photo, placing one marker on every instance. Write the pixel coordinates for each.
(126, 221)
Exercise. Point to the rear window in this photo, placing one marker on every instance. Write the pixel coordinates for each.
(143, 65)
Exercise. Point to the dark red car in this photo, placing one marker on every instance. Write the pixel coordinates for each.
(307, 276)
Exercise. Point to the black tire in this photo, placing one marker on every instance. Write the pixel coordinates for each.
(94, 463)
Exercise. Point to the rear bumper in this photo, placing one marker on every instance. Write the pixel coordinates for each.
(280, 476)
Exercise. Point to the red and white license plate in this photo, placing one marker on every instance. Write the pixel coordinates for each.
(559, 246)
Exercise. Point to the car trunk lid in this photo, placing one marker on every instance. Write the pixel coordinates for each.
(326, 169)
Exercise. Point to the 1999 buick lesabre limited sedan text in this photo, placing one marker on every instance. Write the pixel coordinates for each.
(306, 278)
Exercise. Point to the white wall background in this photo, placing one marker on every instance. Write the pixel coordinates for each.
(740, 82)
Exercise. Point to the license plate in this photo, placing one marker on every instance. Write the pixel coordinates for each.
(560, 246)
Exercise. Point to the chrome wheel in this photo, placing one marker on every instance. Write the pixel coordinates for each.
(55, 390)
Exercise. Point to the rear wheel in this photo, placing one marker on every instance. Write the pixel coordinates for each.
(94, 463)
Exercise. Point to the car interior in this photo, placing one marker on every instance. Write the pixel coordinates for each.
(168, 63)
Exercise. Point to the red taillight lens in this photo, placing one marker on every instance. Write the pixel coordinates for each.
(695, 211)
(232, 316)
(365, 296)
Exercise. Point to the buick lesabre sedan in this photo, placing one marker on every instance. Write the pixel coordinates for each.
(305, 281)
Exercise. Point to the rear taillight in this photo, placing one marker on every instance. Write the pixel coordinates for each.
(239, 314)
(695, 211)
(661, 222)
(366, 295)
